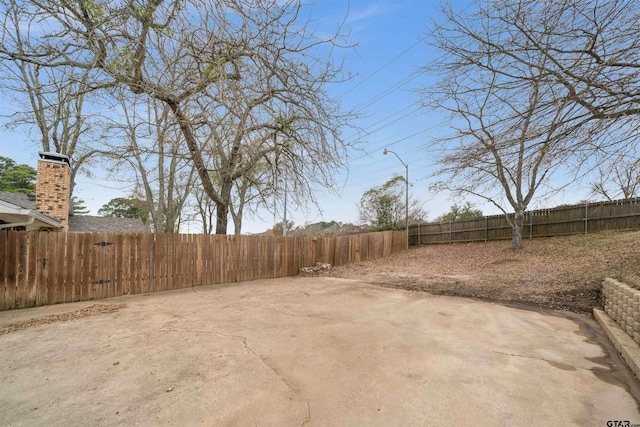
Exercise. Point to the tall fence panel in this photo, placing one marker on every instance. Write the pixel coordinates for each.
(41, 268)
(342, 250)
(578, 219)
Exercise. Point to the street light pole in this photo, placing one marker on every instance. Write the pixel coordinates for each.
(406, 191)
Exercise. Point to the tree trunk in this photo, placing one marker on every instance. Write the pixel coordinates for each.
(222, 213)
(516, 229)
(237, 225)
(236, 214)
(222, 205)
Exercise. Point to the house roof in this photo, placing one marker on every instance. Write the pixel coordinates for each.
(19, 207)
(94, 224)
(19, 210)
(25, 201)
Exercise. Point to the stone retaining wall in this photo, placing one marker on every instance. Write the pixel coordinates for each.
(622, 304)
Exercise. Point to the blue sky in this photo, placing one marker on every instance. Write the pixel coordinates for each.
(386, 65)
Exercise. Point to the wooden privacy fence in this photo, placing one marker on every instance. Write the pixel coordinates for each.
(578, 219)
(40, 268)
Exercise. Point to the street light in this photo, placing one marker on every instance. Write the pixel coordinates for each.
(406, 191)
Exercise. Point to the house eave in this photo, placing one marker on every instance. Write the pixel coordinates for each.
(15, 216)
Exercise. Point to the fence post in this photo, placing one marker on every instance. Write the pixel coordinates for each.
(449, 232)
(485, 229)
(586, 216)
(418, 234)
(530, 226)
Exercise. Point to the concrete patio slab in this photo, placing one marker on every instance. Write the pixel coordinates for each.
(310, 351)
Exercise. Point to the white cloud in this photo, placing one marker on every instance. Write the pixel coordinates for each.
(360, 15)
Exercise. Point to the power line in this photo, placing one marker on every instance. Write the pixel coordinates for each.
(360, 137)
(389, 144)
(391, 61)
(370, 173)
(390, 90)
(106, 186)
(414, 169)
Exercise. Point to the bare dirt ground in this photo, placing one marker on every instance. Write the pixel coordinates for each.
(562, 273)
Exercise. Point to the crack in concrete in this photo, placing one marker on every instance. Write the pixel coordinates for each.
(256, 355)
(308, 419)
(275, 372)
(556, 364)
(202, 296)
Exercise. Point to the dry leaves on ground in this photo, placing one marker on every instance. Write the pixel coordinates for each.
(92, 310)
(557, 272)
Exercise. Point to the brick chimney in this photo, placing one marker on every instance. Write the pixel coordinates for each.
(53, 182)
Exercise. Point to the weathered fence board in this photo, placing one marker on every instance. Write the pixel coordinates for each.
(10, 292)
(4, 251)
(32, 269)
(588, 218)
(40, 268)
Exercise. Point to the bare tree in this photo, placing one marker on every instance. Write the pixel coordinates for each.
(205, 210)
(50, 101)
(619, 177)
(251, 192)
(501, 146)
(155, 152)
(185, 53)
(532, 86)
(590, 50)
